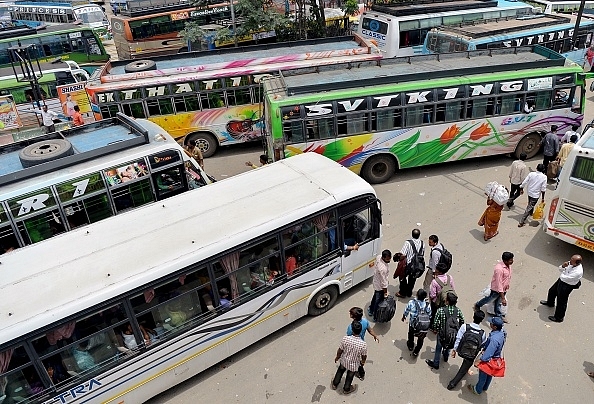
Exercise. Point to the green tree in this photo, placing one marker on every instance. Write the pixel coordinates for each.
(350, 8)
(257, 16)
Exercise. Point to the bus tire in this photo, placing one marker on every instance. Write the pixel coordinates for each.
(205, 142)
(322, 301)
(378, 169)
(530, 145)
(45, 151)
(142, 65)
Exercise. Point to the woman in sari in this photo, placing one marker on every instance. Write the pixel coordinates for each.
(490, 219)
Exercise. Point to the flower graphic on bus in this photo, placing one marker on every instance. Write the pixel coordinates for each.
(480, 132)
(449, 134)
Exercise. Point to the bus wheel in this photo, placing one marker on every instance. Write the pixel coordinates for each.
(205, 142)
(45, 151)
(140, 66)
(323, 301)
(378, 169)
(529, 145)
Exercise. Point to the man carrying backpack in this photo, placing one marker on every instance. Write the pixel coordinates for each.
(414, 251)
(448, 321)
(441, 285)
(468, 344)
(419, 312)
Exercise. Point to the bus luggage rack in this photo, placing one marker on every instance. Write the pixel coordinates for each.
(87, 142)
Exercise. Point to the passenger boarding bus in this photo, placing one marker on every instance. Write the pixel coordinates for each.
(134, 305)
(377, 117)
(212, 98)
(550, 30)
(66, 180)
(569, 215)
(65, 42)
(145, 32)
(400, 29)
(45, 12)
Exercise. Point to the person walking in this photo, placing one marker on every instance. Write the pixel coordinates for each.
(441, 279)
(444, 330)
(356, 314)
(352, 353)
(517, 174)
(490, 219)
(380, 280)
(413, 309)
(535, 184)
(462, 337)
(551, 147)
(434, 255)
(500, 282)
(570, 279)
(493, 349)
(407, 282)
(564, 153)
(567, 136)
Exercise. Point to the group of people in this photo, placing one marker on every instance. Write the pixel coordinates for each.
(436, 311)
(533, 183)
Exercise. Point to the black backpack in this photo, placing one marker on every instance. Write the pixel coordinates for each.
(385, 310)
(422, 321)
(445, 259)
(470, 343)
(447, 333)
(416, 267)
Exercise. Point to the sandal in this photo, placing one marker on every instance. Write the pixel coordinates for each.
(352, 390)
(521, 224)
(591, 374)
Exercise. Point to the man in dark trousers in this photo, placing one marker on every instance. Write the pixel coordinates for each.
(407, 282)
(477, 319)
(570, 279)
(550, 147)
(441, 327)
(352, 353)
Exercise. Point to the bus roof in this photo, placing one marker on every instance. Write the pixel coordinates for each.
(8, 80)
(415, 7)
(245, 60)
(97, 145)
(84, 267)
(415, 68)
(508, 26)
(138, 8)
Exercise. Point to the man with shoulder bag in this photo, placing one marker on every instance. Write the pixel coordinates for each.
(491, 363)
(414, 251)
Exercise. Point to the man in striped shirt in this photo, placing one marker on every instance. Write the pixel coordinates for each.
(352, 353)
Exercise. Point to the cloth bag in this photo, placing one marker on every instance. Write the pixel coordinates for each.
(493, 367)
(490, 307)
(497, 192)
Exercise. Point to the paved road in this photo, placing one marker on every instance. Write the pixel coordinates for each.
(546, 361)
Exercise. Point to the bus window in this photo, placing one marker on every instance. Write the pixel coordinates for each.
(541, 100)
(89, 210)
(168, 182)
(161, 106)
(133, 195)
(134, 110)
(293, 131)
(351, 124)
(19, 379)
(109, 111)
(414, 115)
(186, 103)
(481, 107)
(510, 104)
(320, 129)
(562, 98)
(41, 227)
(386, 119)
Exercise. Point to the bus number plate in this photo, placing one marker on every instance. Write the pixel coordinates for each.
(585, 244)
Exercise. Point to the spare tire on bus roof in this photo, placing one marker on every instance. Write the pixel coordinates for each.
(44, 151)
(141, 65)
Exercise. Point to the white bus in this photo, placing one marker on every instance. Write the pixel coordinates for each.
(59, 182)
(400, 30)
(562, 6)
(136, 304)
(570, 214)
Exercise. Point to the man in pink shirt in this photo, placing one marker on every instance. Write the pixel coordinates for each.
(435, 289)
(499, 284)
(380, 280)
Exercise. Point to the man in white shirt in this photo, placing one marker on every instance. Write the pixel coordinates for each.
(380, 281)
(47, 118)
(535, 184)
(567, 136)
(517, 174)
(570, 279)
(407, 283)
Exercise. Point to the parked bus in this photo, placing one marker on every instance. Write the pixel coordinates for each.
(400, 29)
(65, 42)
(570, 214)
(59, 182)
(46, 12)
(550, 30)
(212, 98)
(561, 6)
(397, 113)
(150, 312)
(154, 31)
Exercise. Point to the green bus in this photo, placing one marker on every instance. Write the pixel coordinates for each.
(380, 116)
(65, 41)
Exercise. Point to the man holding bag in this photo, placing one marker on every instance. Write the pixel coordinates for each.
(535, 184)
(490, 363)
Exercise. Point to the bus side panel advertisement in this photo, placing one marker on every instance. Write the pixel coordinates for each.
(231, 125)
(71, 95)
(437, 143)
(9, 116)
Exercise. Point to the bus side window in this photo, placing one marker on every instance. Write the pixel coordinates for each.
(18, 385)
(562, 98)
(169, 182)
